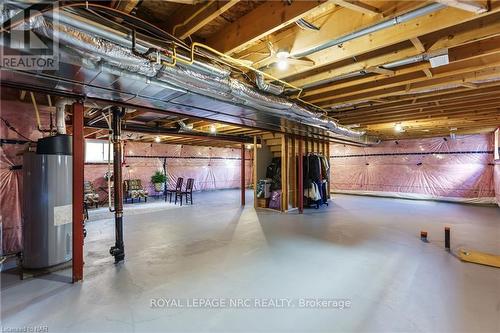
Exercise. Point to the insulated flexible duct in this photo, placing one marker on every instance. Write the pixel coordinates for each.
(112, 50)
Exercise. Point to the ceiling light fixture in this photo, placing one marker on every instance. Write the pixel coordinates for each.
(213, 129)
(157, 139)
(399, 128)
(452, 133)
(282, 57)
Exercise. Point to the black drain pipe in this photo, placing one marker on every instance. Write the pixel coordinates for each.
(118, 251)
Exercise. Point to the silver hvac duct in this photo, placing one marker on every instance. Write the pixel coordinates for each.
(61, 114)
(371, 29)
(267, 87)
(110, 50)
(125, 39)
(390, 65)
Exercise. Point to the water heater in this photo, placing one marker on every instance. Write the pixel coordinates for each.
(47, 203)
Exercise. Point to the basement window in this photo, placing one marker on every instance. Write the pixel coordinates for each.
(96, 151)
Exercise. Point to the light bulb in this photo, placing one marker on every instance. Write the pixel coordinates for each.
(282, 64)
(157, 139)
(398, 127)
(213, 129)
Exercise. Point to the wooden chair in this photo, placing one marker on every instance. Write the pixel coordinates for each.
(90, 196)
(178, 188)
(133, 189)
(188, 192)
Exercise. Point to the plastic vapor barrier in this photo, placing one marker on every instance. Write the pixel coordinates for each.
(212, 168)
(459, 169)
(497, 181)
(21, 117)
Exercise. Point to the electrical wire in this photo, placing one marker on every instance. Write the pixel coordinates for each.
(12, 128)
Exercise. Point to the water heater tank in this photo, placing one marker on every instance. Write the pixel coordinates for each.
(47, 203)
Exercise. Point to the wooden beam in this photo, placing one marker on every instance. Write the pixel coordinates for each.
(262, 21)
(427, 24)
(470, 6)
(191, 19)
(469, 55)
(418, 44)
(428, 73)
(358, 6)
(126, 6)
(470, 85)
(380, 70)
(476, 30)
(416, 80)
(402, 102)
(367, 117)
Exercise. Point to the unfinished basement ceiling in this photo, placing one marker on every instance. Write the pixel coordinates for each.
(154, 124)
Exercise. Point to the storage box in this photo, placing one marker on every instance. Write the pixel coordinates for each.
(262, 202)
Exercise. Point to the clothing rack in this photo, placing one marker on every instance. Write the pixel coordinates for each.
(316, 175)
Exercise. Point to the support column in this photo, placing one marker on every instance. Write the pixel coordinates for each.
(293, 172)
(242, 174)
(284, 173)
(118, 251)
(330, 171)
(254, 169)
(300, 163)
(78, 160)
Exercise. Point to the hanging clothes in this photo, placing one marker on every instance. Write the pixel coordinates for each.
(313, 193)
(316, 173)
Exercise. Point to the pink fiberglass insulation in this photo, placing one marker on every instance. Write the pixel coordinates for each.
(19, 116)
(459, 169)
(497, 182)
(211, 167)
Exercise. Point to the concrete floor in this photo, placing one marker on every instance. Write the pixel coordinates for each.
(363, 249)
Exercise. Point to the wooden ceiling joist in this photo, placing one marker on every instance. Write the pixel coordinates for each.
(439, 20)
(358, 6)
(262, 21)
(477, 7)
(473, 31)
(417, 81)
(188, 20)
